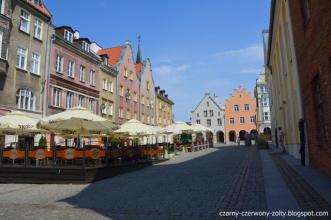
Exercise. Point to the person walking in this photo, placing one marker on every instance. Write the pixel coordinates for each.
(281, 139)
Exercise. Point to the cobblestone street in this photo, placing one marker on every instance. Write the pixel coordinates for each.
(192, 186)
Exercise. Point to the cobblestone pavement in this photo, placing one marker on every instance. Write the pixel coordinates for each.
(306, 196)
(191, 186)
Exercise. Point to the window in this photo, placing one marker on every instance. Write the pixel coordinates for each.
(306, 10)
(252, 119)
(246, 107)
(91, 105)
(57, 97)
(219, 113)
(135, 115)
(265, 102)
(236, 108)
(135, 97)
(21, 58)
(71, 69)
(128, 94)
(231, 121)
(121, 91)
(59, 64)
(126, 73)
(111, 87)
(103, 108)
(319, 112)
(207, 104)
(82, 73)
(142, 100)
(104, 84)
(266, 116)
(68, 36)
(120, 113)
(25, 21)
(38, 29)
(198, 121)
(92, 77)
(81, 101)
(86, 46)
(70, 100)
(2, 6)
(208, 122)
(211, 113)
(35, 64)
(147, 85)
(197, 115)
(242, 120)
(25, 100)
(205, 113)
(219, 122)
(110, 110)
(37, 2)
(131, 75)
(128, 114)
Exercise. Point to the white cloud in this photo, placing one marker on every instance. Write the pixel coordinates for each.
(251, 53)
(169, 69)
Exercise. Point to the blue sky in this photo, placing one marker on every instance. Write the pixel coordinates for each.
(195, 46)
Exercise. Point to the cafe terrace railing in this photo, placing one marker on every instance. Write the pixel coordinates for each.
(59, 156)
(197, 146)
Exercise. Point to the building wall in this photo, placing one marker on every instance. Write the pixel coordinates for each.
(147, 107)
(130, 107)
(286, 99)
(24, 79)
(262, 95)
(108, 96)
(72, 84)
(239, 97)
(163, 112)
(312, 46)
(198, 116)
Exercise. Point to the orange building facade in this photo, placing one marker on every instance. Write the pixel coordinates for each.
(240, 115)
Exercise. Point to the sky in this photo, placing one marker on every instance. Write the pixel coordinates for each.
(195, 46)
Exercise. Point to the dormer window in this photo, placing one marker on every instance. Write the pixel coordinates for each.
(68, 36)
(104, 60)
(86, 46)
(37, 2)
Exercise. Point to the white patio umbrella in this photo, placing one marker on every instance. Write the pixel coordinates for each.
(76, 112)
(80, 126)
(179, 127)
(200, 128)
(18, 123)
(134, 127)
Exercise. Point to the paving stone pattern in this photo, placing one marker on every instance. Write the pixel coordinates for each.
(191, 186)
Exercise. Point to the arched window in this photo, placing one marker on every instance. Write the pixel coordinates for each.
(25, 99)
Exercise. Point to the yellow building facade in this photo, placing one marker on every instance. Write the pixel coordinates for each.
(282, 77)
(107, 98)
(163, 108)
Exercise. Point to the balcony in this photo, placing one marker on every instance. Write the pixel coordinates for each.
(3, 67)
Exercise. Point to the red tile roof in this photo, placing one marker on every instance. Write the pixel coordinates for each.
(42, 8)
(138, 68)
(113, 53)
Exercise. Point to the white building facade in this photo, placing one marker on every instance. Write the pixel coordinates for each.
(209, 113)
(263, 106)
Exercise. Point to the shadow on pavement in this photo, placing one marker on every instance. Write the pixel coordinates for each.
(190, 189)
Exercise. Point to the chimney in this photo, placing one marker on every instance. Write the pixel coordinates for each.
(76, 35)
(166, 95)
(162, 92)
(157, 89)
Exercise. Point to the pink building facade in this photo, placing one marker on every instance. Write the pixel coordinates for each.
(127, 81)
(74, 73)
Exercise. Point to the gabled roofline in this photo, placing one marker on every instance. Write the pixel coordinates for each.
(207, 95)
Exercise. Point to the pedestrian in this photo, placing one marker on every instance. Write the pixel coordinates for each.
(281, 138)
(238, 140)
